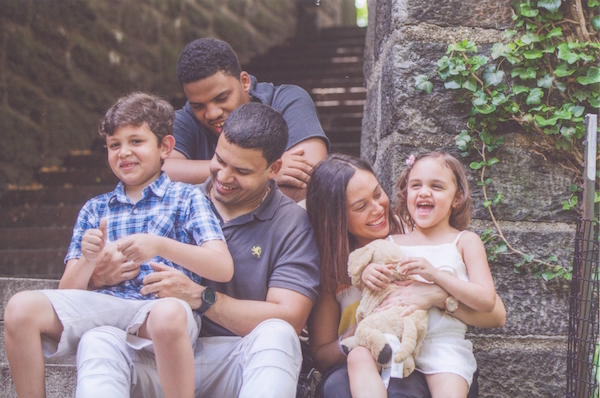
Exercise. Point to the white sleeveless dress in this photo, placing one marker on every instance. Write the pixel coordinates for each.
(444, 348)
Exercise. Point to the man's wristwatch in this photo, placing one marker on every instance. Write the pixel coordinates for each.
(208, 298)
(451, 305)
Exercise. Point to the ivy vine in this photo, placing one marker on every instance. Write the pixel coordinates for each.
(545, 76)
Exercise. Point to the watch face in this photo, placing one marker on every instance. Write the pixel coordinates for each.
(451, 304)
(209, 296)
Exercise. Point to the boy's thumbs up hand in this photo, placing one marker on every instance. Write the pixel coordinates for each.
(103, 224)
(93, 242)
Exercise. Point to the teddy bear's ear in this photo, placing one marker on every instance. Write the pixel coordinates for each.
(358, 261)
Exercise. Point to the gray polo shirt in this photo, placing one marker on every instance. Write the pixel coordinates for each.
(272, 246)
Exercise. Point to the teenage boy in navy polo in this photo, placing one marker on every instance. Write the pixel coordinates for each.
(249, 344)
(147, 217)
(215, 85)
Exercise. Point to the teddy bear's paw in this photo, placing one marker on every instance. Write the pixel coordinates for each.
(384, 355)
(346, 349)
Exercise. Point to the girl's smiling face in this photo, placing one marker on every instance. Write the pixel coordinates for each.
(367, 208)
(431, 193)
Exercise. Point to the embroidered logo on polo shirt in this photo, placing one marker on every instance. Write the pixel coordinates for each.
(256, 251)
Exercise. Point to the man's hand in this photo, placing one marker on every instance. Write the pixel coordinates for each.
(112, 268)
(138, 247)
(93, 241)
(167, 281)
(295, 170)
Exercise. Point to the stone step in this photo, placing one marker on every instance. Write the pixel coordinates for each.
(35, 238)
(10, 286)
(53, 196)
(42, 263)
(39, 216)
(73, 177)
(86, 160)
(61, 380)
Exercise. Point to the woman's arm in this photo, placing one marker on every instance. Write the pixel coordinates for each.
(323, 326)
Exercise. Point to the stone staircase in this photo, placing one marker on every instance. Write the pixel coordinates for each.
(36, 222)
(330, 67)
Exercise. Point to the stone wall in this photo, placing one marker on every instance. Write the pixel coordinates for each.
(405, 38)
(64, 62)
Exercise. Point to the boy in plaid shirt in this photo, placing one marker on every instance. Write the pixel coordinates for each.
(151, 223)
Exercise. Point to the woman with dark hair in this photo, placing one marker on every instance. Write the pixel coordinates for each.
(348, 209)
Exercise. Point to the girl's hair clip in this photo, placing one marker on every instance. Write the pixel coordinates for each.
(411, 160)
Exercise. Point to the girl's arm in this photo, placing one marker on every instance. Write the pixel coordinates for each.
(323, 326)
(417, 295)
(210, 260)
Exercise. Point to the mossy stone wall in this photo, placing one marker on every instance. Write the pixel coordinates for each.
(405, 38)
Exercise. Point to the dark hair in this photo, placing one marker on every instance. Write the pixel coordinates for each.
(203, 58)
(136, 109)
(327, 212)
(461, 213)
(257, 126)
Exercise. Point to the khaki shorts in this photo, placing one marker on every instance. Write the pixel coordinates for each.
(82, 310)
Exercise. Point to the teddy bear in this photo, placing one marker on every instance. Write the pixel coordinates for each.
(372, 325)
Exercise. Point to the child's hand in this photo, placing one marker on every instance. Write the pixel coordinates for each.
(93, 241)
(418, 266)
(138, 247)
(376, 276)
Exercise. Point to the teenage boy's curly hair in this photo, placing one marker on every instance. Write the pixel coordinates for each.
(461, 213)
(204, 57)
(136, 109)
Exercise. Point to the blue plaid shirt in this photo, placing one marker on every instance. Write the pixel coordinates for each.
(171, 209)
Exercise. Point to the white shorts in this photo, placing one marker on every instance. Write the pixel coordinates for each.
(82, 310)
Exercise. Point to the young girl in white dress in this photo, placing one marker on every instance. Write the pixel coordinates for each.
(433, 200)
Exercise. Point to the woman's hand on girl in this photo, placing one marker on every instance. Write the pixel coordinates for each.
(418, 266)
(376, 276)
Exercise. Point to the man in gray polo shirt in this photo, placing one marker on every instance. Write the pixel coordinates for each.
(249, 343)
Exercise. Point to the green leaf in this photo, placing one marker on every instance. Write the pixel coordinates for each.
(527, 11)
(561, 86)
(580, 95)
(568, 132)
(486, 109)
(487, 203)
(563, 114)
(498, 50)
(470, 84)
(535, 96)
(512, 107)
(442, 63)
(550, 5)
(592, 76)
(518, 89)
(594, 102)
(593, 3)
(530, 38)
(564, 53)
(476, 165)
(497, 199)
(492, 77)
(492, 161)
(553, 130)
(556, 32)
(545, 81)
(528, 257)
(523, 73)
(422, 83)
(508, 33)
(577, 110)
(453, 83)
(499, 99)
(563, 70)
(595, 22)
(533, 54)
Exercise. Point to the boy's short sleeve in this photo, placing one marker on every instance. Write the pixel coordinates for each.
(202, 221)
(88, 218)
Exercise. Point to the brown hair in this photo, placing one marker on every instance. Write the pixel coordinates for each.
(326, 207)
(136, 109)
(461, 213)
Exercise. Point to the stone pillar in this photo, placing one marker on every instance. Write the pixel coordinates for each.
(405, 38)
